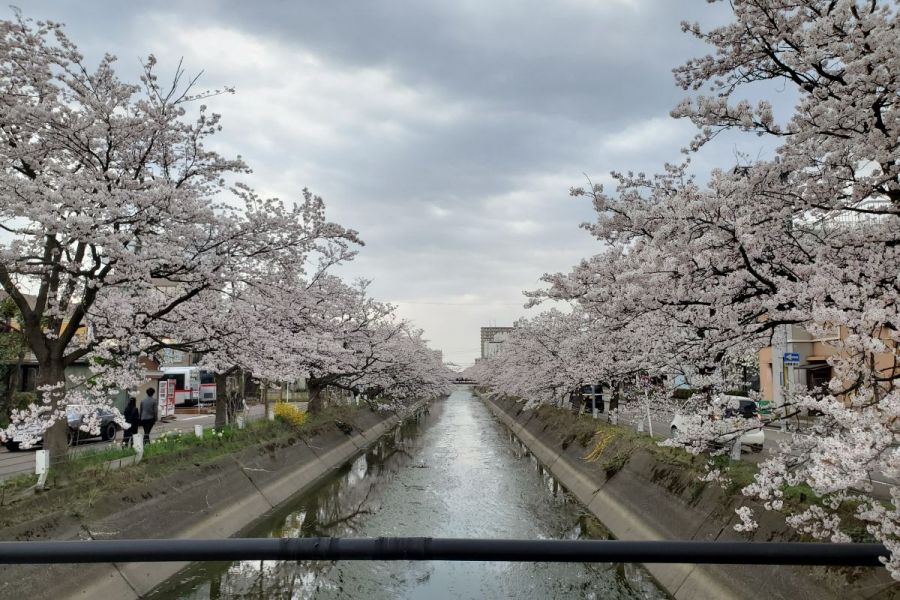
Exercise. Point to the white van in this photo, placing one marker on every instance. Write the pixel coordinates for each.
(755, 437)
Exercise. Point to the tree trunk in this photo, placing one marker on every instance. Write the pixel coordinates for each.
(15, 376)
(316, 402)
(52, 374)
(221, 399)
(235, 397)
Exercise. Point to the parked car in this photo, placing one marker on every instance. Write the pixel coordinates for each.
(584, 397)
(754, 438)
(75, 415)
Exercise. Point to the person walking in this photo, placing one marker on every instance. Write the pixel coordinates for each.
(133, 418)
(148, 414)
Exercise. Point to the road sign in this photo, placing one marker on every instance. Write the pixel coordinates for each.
(791, 358)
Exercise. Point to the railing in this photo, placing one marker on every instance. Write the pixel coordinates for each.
(442, 549)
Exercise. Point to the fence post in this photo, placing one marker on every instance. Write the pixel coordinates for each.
(240, 421)
(198, 431)
(137, 441)
(42, 467)
(736, 449)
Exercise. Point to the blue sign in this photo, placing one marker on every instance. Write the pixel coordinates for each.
(791, 358)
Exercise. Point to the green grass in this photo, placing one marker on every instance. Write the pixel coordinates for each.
(12, 486)
(100, 455)
(164, 454)
(611, 446)
(85, 480)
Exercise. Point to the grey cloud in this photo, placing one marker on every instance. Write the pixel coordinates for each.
(461, 197)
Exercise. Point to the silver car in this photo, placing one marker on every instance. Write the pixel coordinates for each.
(75, 415)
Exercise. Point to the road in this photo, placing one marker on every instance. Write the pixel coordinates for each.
(17, 463)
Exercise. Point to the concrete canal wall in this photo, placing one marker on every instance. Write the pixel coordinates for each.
(646, 499)
(215, 500)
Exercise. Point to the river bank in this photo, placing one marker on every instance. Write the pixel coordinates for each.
(640, 496)
(214, 499)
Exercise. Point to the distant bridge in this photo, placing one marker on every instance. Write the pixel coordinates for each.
(462, 381)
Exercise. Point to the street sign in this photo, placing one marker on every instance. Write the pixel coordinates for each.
(791, 358)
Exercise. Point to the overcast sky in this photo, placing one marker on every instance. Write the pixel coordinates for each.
(446, 133)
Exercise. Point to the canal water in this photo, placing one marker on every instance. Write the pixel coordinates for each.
(451, 472)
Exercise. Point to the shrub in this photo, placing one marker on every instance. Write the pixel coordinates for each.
(682, 393)
(21, 400)
(290, 414)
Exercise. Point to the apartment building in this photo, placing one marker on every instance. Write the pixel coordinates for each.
(492, 339)
(798, 361)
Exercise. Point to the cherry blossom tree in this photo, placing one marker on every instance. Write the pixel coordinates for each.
(357, 343)
(122, 233)
(105, 186)
(258, 322)
(697, 274)
(542, 360)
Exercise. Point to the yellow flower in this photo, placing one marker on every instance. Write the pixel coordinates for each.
(290, 413)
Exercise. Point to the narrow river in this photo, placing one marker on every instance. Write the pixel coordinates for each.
(453, 472)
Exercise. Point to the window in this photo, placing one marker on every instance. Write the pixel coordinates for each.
(817, 379)
(178, 379)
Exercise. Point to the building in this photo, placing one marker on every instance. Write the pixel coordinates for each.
(492, 339)
(797, 361)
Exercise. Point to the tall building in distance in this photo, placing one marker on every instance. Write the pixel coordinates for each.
(492, 339)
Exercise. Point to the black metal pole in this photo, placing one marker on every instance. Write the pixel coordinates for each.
(417, 548)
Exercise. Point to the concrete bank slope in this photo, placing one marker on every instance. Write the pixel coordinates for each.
(216, 500)
(647, 499)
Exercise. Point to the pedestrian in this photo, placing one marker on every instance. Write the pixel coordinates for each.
(133, 418)
(148, 414)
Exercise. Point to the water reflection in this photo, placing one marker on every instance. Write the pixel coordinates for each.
(454, 472)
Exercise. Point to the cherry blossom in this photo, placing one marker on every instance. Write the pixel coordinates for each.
(693, 276)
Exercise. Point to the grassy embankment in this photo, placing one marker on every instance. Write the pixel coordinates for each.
(80, 482)
(610, 446)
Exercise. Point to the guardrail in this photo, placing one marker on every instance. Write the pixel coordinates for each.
(442, 549)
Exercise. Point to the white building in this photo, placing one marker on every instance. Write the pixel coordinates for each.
(492, 339)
